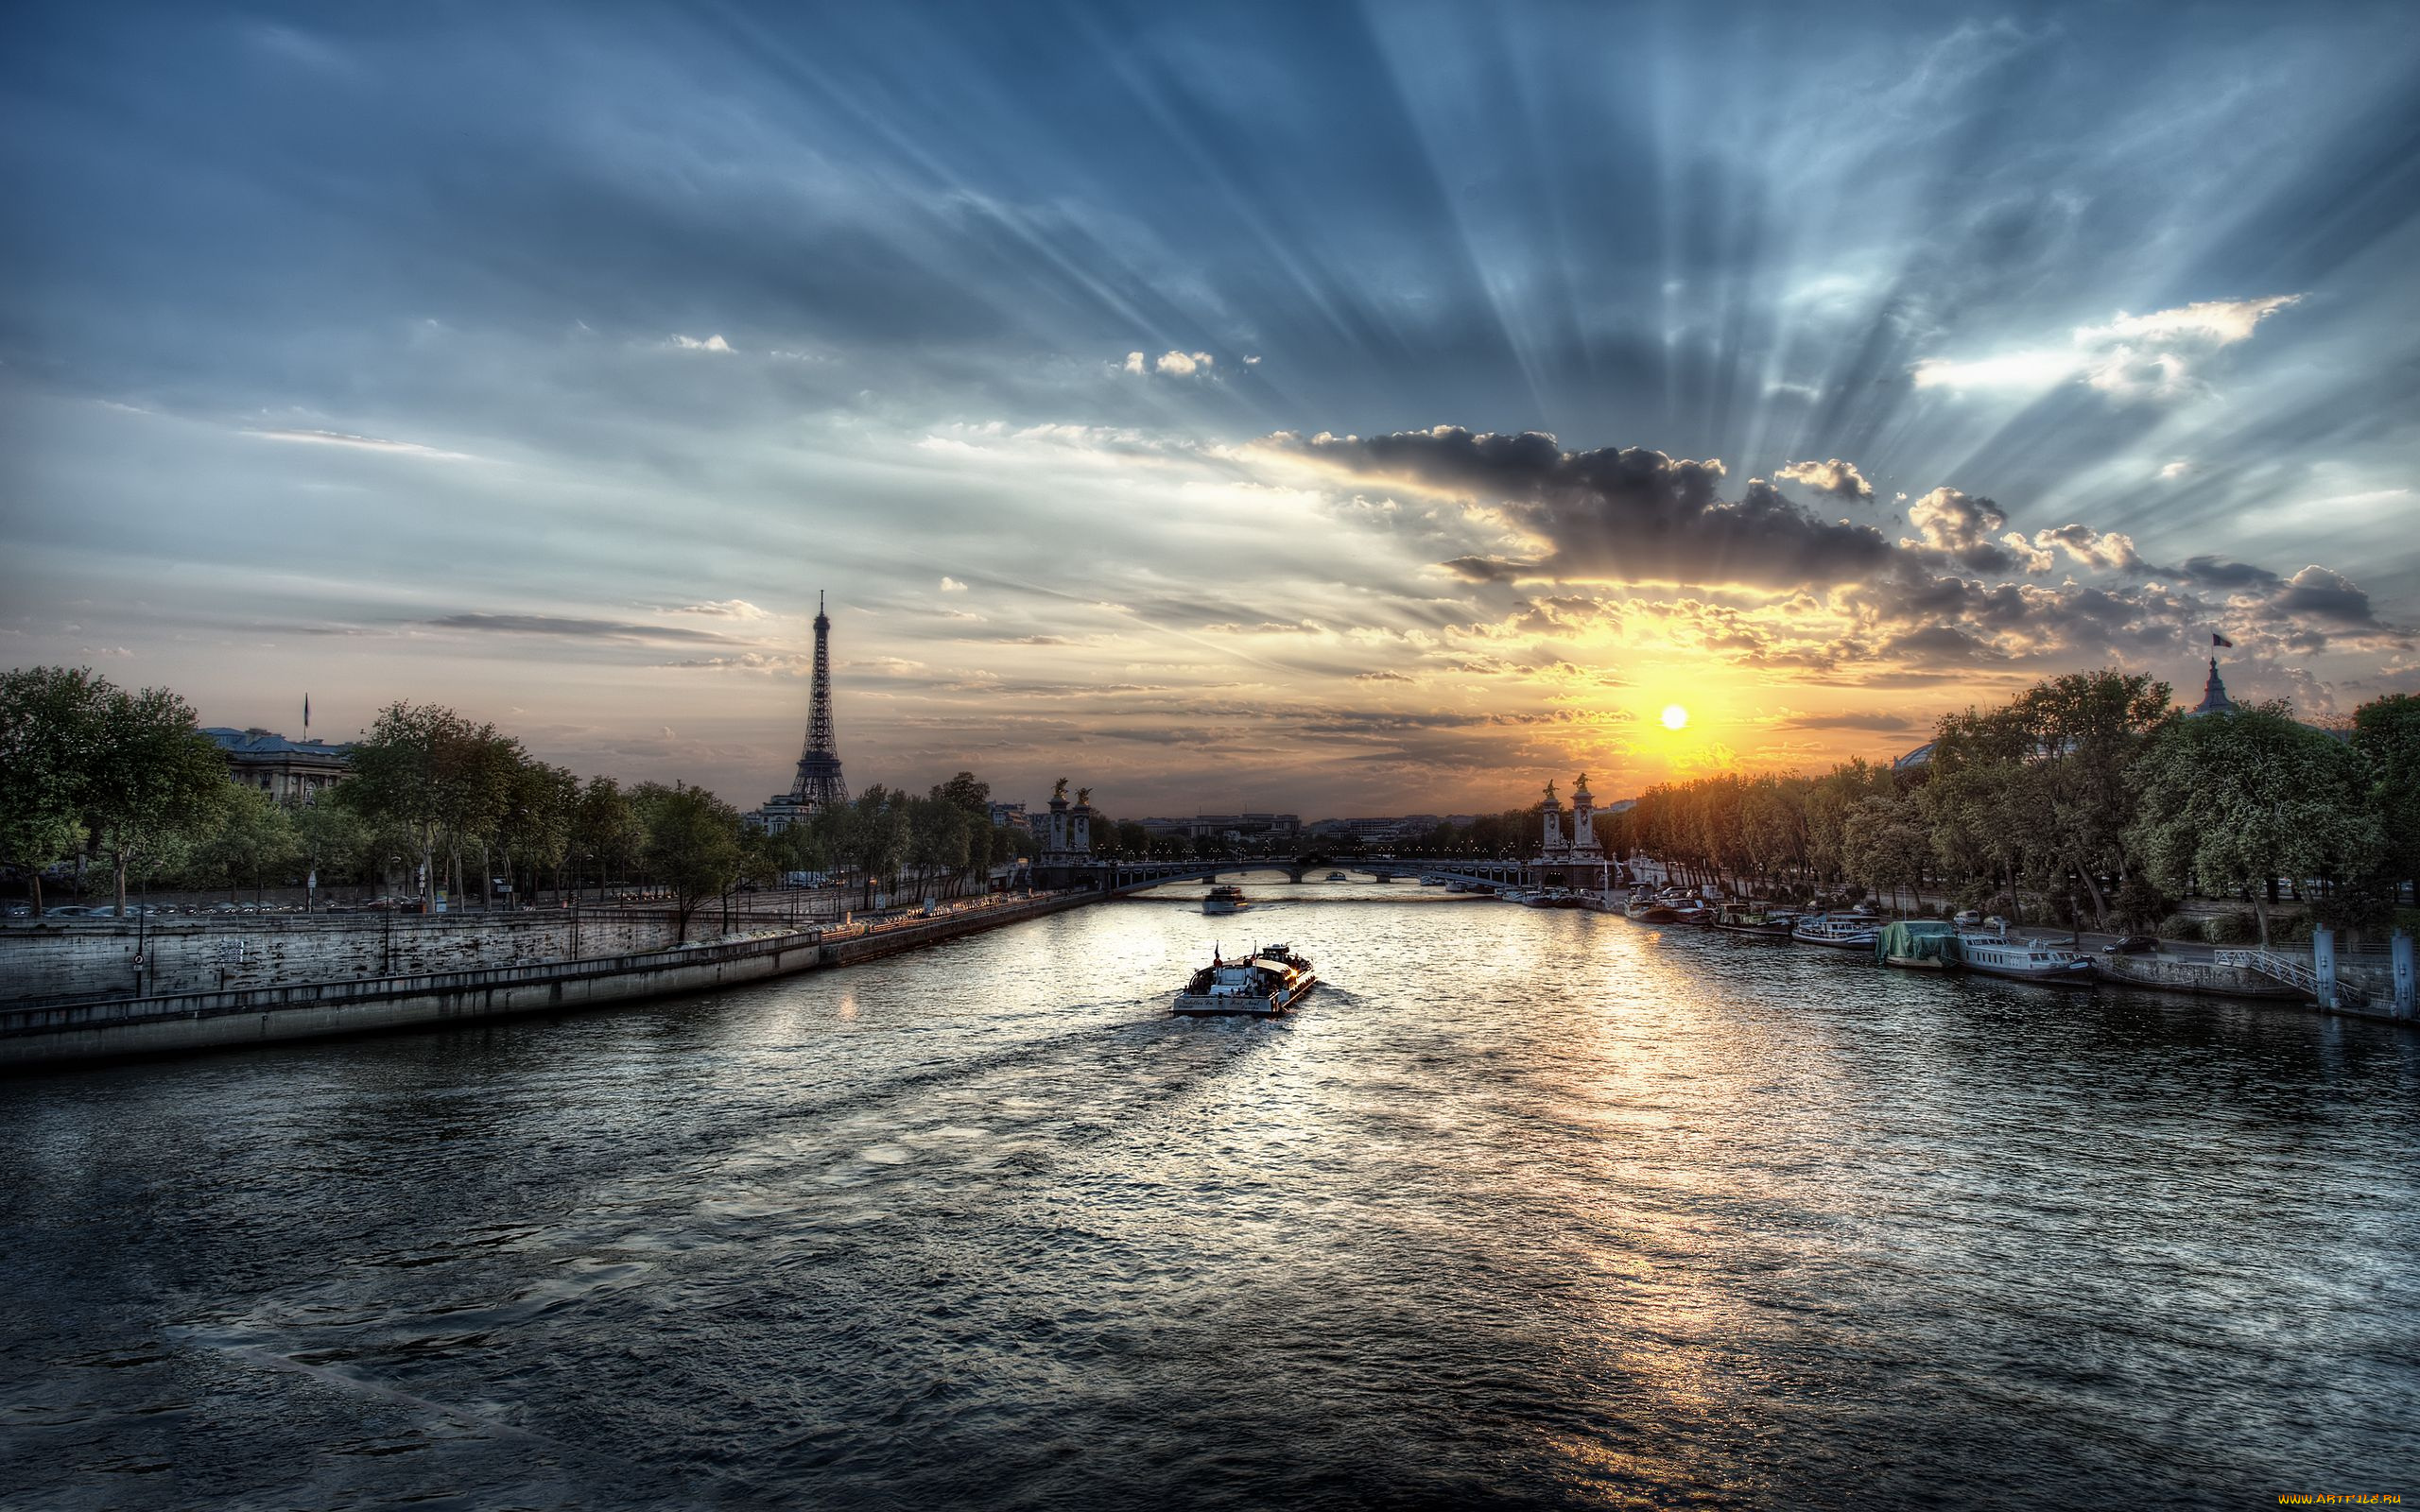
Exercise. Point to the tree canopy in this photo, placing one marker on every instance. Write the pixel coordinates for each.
(2234, 800)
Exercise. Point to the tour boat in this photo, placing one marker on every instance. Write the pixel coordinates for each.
(1554, 898)
(1263, 985)
(1431, 879)
(1513, 895)
(2028, 960)
(1225, 899)
(1845, 931)
(1335, 876)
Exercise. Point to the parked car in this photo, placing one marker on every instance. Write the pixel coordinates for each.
(2131, 945)
(21, 910)
(66, 911)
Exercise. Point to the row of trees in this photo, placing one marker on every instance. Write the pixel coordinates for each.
(90, 768)
(92, 771)
(2089, 798)
(428, 773)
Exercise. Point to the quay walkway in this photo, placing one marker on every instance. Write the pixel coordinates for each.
(35, 1034)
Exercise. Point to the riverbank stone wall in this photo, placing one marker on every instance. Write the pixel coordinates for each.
(45, 962)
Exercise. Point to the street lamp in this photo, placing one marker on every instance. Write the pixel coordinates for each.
(576, 892)
(386, 926)
(141, 920)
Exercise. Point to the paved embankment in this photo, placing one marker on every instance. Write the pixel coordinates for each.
(46, 961)
(46, 1034)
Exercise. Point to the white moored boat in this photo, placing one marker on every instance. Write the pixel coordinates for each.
(1555, 897)
(1845, 931)
(1649, 909)
(1225, 899)
(1261, 985)
(2028, 960)
(1687, 907)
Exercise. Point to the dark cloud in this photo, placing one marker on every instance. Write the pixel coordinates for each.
(2323, 594)
(1958, 527)
(1874, 719)
(1486, 569)
(1914, 615)
(1628, 514)
(1939, 644)
(2215, 571)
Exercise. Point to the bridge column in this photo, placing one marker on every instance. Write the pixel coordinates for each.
(2323, 961)
(2400, 948)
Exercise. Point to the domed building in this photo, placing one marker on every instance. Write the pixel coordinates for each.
(2214, 695)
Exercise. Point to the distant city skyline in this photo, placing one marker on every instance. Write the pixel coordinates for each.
(1334, 410)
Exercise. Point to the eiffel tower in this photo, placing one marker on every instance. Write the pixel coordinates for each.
(819, 785)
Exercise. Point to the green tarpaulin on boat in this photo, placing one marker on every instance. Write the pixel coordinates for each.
(1916, 939)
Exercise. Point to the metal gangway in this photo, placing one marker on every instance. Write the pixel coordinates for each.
(2278, 966)
(2339, 980)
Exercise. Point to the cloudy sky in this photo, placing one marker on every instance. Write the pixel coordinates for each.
(1339, 410)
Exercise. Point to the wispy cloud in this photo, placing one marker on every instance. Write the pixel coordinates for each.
(731, 609)
(572, 628)
(2134, 356)
(361, 444)
(1173, 364)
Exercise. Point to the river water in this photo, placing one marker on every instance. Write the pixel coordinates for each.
(1523, 1207)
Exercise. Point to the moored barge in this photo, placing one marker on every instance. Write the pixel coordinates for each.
(1841, 932)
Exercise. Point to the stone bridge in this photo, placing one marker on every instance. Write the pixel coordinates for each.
(1112, 875)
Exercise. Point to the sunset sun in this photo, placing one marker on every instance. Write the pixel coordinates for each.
(1675, 716)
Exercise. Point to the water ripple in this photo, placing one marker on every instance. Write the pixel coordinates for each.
(1525, 1208)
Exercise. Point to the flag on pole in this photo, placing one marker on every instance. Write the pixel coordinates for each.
(2221, 640)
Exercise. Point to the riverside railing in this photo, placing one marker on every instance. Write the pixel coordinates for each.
(896, 933)
(2368, 979)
